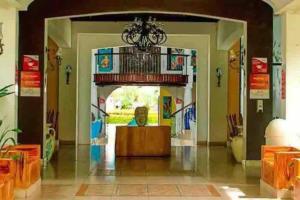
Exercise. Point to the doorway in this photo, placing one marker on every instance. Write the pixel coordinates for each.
(207, 46)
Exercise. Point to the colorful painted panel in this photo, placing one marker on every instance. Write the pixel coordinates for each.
(176, 59)
(105, 60)
(167, 107)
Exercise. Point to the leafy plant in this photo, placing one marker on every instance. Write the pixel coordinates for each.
(5, 137)
(5, 91)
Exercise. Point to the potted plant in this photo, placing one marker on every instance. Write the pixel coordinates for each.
(6, 139)
(7, 160)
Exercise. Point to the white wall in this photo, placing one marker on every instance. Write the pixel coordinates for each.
(228, 33)
(60, 30)
(291, 58)
(8, 60)
(218, 109)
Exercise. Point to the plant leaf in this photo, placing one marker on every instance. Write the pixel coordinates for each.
(16, 130)
(4, 91)
(6, 87)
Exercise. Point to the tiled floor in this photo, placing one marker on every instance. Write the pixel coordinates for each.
(190, 173)
(149, 190)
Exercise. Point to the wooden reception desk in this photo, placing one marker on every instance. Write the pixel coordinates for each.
(143, 141)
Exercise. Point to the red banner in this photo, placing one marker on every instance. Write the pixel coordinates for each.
(31, 63)
(259, 86)
(179, 101)
(259, 65)
(31, 84)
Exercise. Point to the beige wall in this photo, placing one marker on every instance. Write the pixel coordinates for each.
(218, 109)
(8, 60)
(291, 42)
(60, 31)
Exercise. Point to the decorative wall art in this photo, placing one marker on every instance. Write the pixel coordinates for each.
(105, 60)
(167, 107)
(176, 59)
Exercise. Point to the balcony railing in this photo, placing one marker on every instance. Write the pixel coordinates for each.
(140, 79)
(127, 65)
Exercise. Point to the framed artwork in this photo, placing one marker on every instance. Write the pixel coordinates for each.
(105, 60)
(167, 107)
(176, 59)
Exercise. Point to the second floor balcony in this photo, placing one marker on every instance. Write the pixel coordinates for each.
(128, 66)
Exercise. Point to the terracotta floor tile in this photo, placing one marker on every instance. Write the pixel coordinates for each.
(100, 190)
(132, 190)
(200, 190)
(163, 190)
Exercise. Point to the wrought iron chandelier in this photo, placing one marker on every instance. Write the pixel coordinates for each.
(144, 34)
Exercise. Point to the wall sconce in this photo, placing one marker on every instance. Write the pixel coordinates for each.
(59, 57)
(68, 71)
(232, 56)
(219, 74)
(1, 38)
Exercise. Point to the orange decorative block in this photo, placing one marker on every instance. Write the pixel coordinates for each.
(7, 175)
(2, 190)
(28, 166)
(296, 178)
(277, 166)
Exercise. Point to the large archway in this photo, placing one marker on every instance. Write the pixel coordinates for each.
(259, 34)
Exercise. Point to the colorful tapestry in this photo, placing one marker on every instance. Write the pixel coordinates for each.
(176, 59)
(167, 107)
(105, 60)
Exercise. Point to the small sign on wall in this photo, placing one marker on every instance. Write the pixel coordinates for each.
(30, 84)
(31, 63)
(259, 65)
(259, 86)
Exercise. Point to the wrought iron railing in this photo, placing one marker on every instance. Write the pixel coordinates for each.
(129, 60)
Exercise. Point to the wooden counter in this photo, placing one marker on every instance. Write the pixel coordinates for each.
(143, 141)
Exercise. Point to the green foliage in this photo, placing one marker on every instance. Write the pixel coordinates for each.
(125, 116)
(5, 133)
(5, 138)
(128, 95)
(5, 91)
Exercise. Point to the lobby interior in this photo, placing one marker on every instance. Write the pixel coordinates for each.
(183, 118)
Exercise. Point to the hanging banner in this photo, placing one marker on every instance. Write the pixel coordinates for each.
(179, 101)
(30, 84)
(259, 86)
(259, 65)
(31, 63)
(283, 85)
